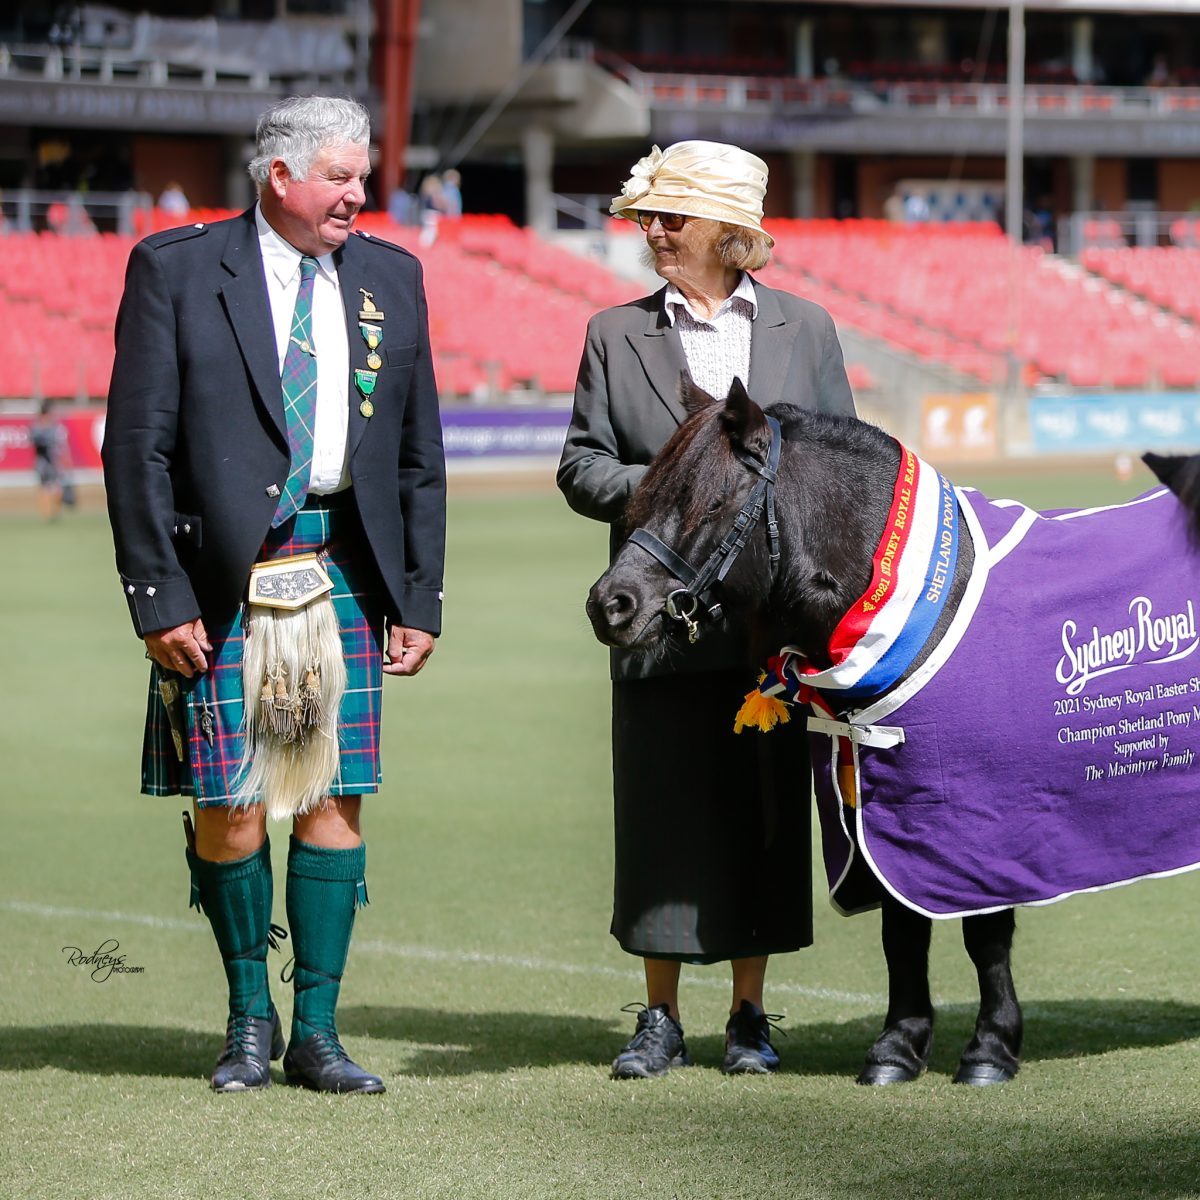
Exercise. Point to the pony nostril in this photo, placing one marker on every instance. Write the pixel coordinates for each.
(619, 607)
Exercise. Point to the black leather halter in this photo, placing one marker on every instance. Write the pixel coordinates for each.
(684, 603)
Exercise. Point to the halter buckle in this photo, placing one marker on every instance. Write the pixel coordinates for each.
(676, 613)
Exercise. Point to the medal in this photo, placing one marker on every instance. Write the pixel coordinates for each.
(365, 382)
(369, 312)
(374, 361)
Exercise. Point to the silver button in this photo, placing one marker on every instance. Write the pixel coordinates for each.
(198, 225)
(151, 590)
(273, 491)
(187, 529)
(130, 589)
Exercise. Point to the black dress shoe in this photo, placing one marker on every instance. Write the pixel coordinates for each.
(320, 1063)
(245, 1062)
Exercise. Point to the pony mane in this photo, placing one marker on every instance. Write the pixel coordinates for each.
(696, 453)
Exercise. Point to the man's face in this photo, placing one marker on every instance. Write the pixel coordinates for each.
(316, 214)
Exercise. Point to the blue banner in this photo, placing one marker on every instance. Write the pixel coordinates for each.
(1131, 421)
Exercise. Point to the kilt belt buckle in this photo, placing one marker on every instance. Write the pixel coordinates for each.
(294, 665)
(289, 583)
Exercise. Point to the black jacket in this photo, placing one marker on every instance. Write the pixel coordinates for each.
(196, 441)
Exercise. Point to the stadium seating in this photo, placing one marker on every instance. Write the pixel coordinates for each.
(942, 293)
(508, 309)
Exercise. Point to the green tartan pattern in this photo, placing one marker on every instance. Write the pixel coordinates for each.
(210, 773)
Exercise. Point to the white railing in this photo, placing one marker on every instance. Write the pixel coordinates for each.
(73, 214)
(747, 93)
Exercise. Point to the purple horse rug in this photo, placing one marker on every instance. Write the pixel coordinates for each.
(1050, 743)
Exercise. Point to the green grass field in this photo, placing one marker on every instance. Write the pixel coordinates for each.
(483, 984)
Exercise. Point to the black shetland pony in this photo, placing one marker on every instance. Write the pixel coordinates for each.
(786, 527)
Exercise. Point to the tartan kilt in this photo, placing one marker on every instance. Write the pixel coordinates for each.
(328, 525)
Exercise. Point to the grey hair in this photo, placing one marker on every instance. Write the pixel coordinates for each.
(299, 128)
(742, 249)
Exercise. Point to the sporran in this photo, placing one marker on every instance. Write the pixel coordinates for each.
(294, 664)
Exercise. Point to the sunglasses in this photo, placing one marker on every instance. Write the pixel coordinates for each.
(671, 222)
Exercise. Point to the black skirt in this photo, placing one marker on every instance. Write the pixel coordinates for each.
(713, 856)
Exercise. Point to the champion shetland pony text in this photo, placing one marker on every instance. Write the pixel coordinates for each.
(864, 563)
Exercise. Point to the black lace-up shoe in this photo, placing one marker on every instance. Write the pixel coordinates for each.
(655, 1048)
(320, 1063)
(748, 1049)
(245, 1062)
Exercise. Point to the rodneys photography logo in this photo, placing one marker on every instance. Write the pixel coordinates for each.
(103, 962)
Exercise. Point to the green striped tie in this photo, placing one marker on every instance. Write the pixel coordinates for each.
(298, 380)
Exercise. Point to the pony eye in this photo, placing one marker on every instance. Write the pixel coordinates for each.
(715, 505)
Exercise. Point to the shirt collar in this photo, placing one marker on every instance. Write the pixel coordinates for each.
(744, 292)
(281, 258)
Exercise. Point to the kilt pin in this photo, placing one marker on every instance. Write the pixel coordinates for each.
(206, 476)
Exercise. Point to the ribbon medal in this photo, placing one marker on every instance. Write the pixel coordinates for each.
(373, 336)
(365, 382)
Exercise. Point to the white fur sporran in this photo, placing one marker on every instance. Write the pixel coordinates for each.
(293, 678)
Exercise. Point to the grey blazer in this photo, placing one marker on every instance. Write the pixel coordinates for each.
(627, 406)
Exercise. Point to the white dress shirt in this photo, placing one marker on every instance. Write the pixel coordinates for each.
(717, 348)
(281, 266)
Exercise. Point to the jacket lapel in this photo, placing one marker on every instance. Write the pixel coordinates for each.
(249, 311)
(660, 351)
(348, 261)
(771, 341)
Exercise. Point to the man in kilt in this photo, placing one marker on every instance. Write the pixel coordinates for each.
(273, 396)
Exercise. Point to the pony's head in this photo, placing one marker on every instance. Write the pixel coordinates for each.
(686, 513)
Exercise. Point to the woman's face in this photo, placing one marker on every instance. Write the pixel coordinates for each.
(689, 253)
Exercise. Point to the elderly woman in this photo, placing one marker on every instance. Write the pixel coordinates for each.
(712, 830)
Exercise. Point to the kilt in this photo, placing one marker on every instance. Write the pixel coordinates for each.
(713, 828)
(328, 524)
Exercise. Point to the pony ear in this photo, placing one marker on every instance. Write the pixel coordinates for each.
(691, 395)
(1165, 466)
(1181, 474)
(744, 421)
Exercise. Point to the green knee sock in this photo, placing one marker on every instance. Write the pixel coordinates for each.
(324, 887)
(236, 898)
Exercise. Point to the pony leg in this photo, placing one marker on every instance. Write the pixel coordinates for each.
(902, 1049)
(993, 1055)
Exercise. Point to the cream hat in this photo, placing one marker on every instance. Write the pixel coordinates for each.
(698, 179)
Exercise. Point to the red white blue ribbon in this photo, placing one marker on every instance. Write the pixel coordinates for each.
(880, 636)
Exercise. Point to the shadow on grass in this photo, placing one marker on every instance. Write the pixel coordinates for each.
(461, 1043)
(111, 1050)
(455, 1043)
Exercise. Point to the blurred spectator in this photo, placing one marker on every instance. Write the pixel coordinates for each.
(452, 194)
(1161, 74)
(432, 197)
(402, 207)
(70, 219)
(916, 208)
(48, 437)
(173, 200)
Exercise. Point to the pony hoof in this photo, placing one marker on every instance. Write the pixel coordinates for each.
(885, 1074)
(982, 1074)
